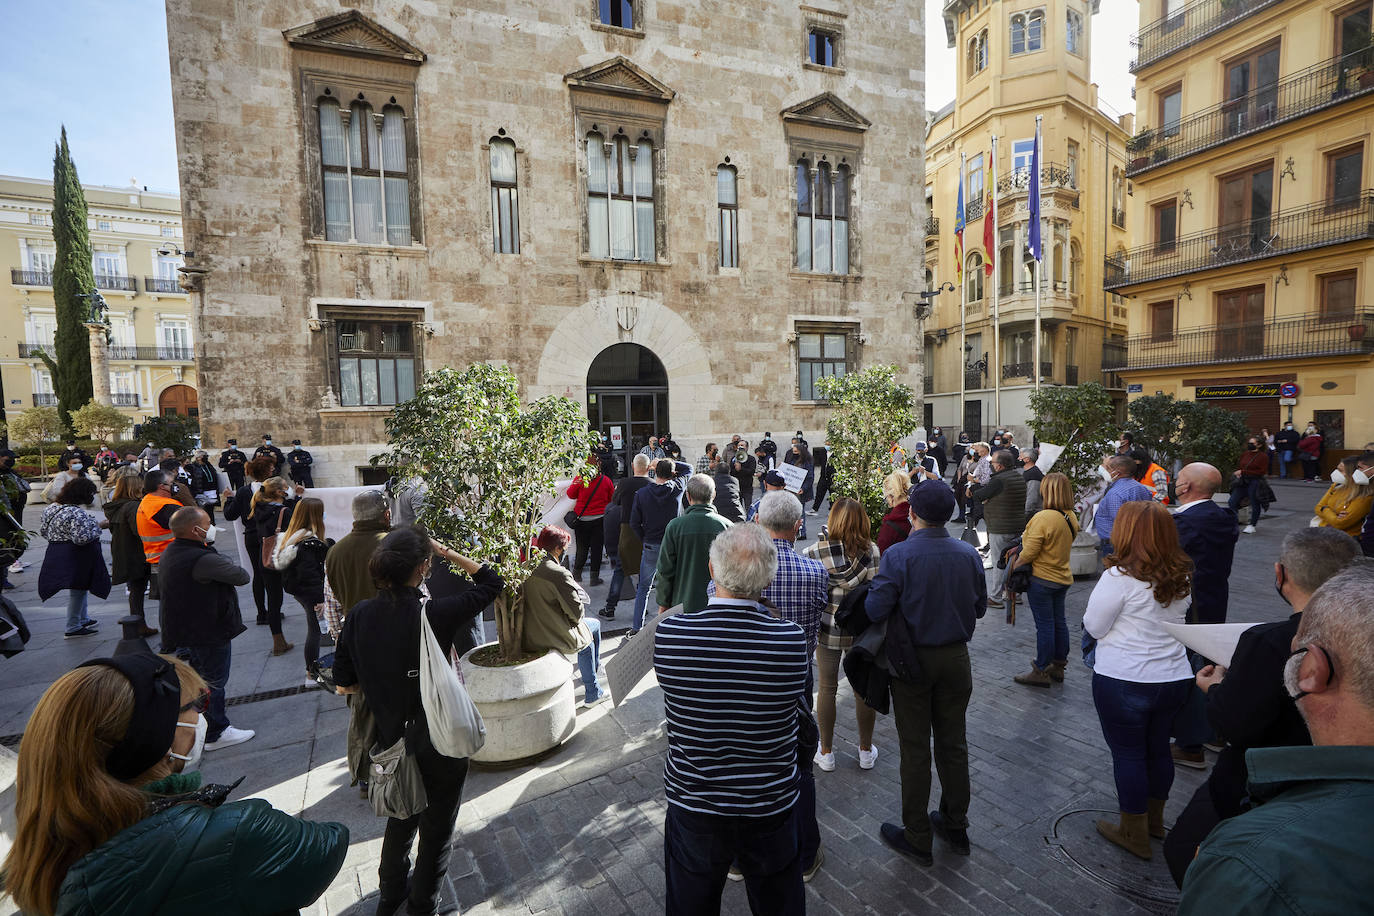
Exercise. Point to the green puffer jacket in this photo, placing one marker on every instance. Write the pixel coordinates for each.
(236, 859)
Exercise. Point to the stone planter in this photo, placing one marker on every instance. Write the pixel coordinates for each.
(528, 708)
(1083, 559)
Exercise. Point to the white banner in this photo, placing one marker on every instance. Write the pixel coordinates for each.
(1049, 454)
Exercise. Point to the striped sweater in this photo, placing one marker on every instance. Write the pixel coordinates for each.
(733, 677)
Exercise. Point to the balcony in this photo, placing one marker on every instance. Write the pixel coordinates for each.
(1266, 237)
(1023, 369)
(125, 398)
(30, 277)
(1052, 175)
(161, 354)
(1016, 302)
(973, 378)
(162, 285)
(973, 209)
(116, 283)
(1113, 358)
(1324, 85)
(928, 382)
(932, 228)
(1194, 22)
(44, 399)
(30, 350)
(1288, 337)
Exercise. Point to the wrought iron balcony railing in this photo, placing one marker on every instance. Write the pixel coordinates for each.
(166, 354)
(1052, 175)
(44, 399)
(1287, 337)
(1194, 22)
(162, 285)
(1328, 83)
(116, 282)
(973, 378)
(28, 350)
(1328, 223)
(125, 398)
(1023, 369)
(932, 228)
(30, 277)
(1113, 358)
(973, 209)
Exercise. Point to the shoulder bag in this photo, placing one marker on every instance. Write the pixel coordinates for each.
(572, 516)
(394, 784)
(455, 726)
(269, 544)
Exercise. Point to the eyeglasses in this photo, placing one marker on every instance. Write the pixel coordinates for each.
(198, 704)
(1330, 664)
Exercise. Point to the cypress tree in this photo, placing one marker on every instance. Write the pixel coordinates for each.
(72, 276)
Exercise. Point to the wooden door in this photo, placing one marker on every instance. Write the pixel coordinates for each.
(1240, 323)
(178, 400)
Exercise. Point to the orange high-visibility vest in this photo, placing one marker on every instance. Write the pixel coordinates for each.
(1160, 496)
(155, 537)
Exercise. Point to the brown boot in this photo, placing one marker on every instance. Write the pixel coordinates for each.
(1056, 670)
(1132, 834)
(279, 644)
(1036, 678)
(1155, 813)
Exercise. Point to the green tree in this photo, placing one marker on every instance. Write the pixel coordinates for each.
(1154, 421)
(871, 412)
(99, 421)
(37, 426)
(1211, 434)
(490, 464)
(1080, 418)
(72, 276)
(175, 432)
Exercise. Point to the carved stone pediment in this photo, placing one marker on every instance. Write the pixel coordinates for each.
(826, 110)
(619, 76)
(353, 34)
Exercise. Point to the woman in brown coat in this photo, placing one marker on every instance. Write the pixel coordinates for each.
(554, 619)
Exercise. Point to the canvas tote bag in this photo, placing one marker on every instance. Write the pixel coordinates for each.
(455, 726)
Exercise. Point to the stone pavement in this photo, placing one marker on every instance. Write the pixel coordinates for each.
(581, 832)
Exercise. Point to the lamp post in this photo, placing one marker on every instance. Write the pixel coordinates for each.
(98, 326)
(922, 304)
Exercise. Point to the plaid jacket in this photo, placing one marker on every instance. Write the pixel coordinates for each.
(799, 590)
(845, 575)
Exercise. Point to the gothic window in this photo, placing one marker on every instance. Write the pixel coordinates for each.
(822, 217)
(620, 198)
(978, 53)
(366, 180)
(505, 203)
(1073, 32)
(1027, 31)
(727, 207)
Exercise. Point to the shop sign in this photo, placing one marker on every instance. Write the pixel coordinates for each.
(1254, 390)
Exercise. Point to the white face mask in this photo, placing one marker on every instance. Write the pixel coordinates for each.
(209, 533)
(192, 760)
(1338, 478)
(1104, 474)
(75, 465)
(1360, 478)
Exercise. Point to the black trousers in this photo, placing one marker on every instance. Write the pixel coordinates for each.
(591, 540)
(272, 584)
(698, 850)
(1191, 828)
(443, 778)
(253, 548)
(137, 586)
(932, 711)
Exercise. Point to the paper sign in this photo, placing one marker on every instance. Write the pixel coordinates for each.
(1049, 454)
(1216, 641)
(793, 477)
(617, 438)
(634, 659)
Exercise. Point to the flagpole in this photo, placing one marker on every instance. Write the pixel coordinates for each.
(963, 315)
(1035, 185)
(996, 316)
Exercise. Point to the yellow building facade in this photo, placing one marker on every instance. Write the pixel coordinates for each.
(1253, 268)
(1017, 61)
(136, 252)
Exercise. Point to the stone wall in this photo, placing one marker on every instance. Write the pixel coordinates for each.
(247, 158)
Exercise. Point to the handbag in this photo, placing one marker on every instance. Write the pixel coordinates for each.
(269, 545)
(455, 726)
(970, 536)
(572, 517)
(394, 784)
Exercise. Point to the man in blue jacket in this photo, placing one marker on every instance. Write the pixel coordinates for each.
(654, 507)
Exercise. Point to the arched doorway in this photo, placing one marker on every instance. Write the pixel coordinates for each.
(178, 400)
(627, 398)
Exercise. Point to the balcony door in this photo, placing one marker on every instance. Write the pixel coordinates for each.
(1252, 89)
(1240, 323)
(1246, 205)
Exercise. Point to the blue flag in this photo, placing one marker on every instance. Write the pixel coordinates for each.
(959, 228)
(1033, 203)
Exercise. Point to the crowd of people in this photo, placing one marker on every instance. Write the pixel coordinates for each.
(752, 628)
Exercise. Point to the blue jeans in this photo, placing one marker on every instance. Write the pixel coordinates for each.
(648, 562)
(1285, 460)
(1240, 488)
(76, 609)
(1046, 601)
(589, 659)
(698, 850)
(1136, 720)
(212, 663)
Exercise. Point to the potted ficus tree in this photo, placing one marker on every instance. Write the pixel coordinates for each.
(490, 464)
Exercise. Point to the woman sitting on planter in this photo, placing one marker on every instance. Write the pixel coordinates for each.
(554, 603)
(377, 651)
(1347, 501)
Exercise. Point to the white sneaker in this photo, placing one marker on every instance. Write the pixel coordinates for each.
(230, 737)
(810, 511)
(595, 701)
(825, 761)
(1249, 529)
(868, 757)
(17, 567)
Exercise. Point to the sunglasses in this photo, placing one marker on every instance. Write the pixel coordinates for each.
(201, 700)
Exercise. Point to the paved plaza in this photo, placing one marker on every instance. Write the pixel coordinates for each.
(581, 832)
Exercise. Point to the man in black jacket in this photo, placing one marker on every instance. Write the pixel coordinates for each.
(231, 462)
(628, 543)
(271, 451)
(743, 466)
(300, 461)
(1247, 703)
(1003, 499)
(727, 500)
(200, 614)
(654, 507)
(72, 454)
(1286, 444)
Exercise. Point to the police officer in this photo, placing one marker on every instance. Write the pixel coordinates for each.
(299, 461)
(73, 454)
(231, 462)
(271, 451)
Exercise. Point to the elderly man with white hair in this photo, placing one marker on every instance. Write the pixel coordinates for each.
(734, 680)
(683, 562)
(1303, 847)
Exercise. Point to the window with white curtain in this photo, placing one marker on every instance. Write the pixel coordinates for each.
(505, 205)
(727, 206)
(366, 180)
(174, 338)
(620, 198)
(41, 261)
(822, 217)
(108, 264)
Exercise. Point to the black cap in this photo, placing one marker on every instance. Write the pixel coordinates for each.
(233, 442)
(774, 479)
(295, 442)
(932, 501)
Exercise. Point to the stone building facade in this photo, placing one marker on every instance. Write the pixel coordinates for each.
(679, 214)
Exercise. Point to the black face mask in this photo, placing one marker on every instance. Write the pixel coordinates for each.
(1278, 587)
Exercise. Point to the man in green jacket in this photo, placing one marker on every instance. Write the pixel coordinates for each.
(681, 573)
(1304, 848)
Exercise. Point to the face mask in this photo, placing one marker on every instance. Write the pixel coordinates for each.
(1278, 587)
(71, 448)
(295, 448)
(75, 465)
(1105, 474)
(150, 445)
(193, 759)
(1338, 478)
(209, 534)
(267, 442)
(1289, 426)
(1360, 478)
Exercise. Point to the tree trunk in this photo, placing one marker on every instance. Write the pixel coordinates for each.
(510, 620)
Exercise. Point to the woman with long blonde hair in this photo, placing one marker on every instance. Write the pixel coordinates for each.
(300, 561)
(128, 566)
(1141, 673)
(1045, 545)
(105, 821)
(269, 513)
(895, 525)
(1347, 501)
(846, 549)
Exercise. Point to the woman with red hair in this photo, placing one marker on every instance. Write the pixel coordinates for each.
(1141, 674)
(554, 619)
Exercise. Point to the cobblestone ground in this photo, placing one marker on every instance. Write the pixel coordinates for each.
(581, 832)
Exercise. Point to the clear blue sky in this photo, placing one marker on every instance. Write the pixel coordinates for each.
(110, 86)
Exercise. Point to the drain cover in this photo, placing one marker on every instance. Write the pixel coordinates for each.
(1075, 840)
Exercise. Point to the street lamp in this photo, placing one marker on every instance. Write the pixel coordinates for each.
(921, 309)
(191, 277)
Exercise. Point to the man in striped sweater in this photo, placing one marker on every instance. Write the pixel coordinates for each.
(734, 687)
